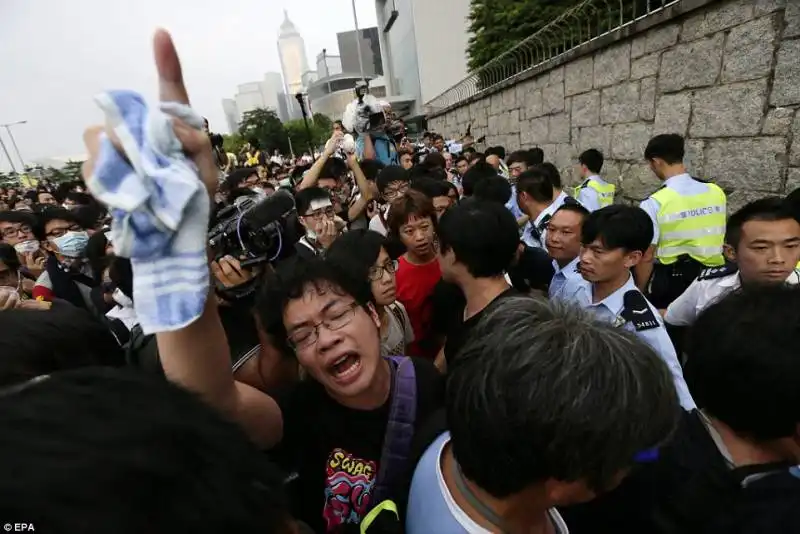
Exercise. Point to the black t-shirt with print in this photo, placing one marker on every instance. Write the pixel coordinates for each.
(459, 331)
(335, 450)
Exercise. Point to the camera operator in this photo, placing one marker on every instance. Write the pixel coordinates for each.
(374, 123)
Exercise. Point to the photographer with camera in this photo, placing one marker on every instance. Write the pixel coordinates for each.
(374, 123)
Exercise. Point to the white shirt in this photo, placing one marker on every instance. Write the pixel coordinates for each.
(528, 236)
(376, 224)
(701, 294)
(588, 196)
(683, 184)
(562, 277)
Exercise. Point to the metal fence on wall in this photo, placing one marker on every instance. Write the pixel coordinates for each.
(587, 21)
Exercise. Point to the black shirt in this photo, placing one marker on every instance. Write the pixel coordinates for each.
(691, 489)
(460, 330)
(335, 450)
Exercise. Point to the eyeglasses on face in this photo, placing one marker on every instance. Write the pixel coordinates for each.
(12, 231)
(328, 213)
(376, 271)
(58, 232)
(337, 318)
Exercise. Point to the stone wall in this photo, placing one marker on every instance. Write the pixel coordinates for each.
(725, 75)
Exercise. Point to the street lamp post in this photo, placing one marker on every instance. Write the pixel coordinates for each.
(13, 141)
(358, 43)
(10, 161)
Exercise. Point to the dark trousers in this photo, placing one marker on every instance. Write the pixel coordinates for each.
(669, 281)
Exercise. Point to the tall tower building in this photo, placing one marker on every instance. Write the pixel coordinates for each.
(292, 51)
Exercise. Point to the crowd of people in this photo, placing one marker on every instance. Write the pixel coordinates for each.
(430, 339)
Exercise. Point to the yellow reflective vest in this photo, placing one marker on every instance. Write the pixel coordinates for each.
(605, 193)
(692, 225)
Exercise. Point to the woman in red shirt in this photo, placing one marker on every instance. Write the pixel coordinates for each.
(412, 220)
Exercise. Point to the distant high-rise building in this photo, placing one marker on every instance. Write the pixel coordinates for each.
(263, 94)
(369, 42)
(328, 65)
(231, 114)
(292, 52)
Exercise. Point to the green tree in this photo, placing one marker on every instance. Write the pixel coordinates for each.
(264, 126)
(232, 143)
(73, 170)
(57, 175)
(323, 122)
(498, 25)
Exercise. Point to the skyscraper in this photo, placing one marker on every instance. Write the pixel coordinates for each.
(369, 42)
(292, 51)
(231, 114)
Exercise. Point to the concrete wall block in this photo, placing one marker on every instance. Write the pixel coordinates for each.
(510, 99)
(586, 109)
(749, 50)
(792, 180)
(534, 132)
(762, 7)
(558, 128)
(792, 19)
(690, 65)
(694, 159)
(778, 121)
(496, 105)
(612, 65)
(786, 81)
(578, 76)
(794, 155)
(693, 27)
(511, 122)
(662, 37)
(729, 110)
(725, 15)
(755, 163)
(628, 140)
(553, 99)
(645, 66)
(532, 104)
(556, 75)
(620, 103)
(647, 99)
(672, 113)
(638, 46)
(598, 137)
(637, 181)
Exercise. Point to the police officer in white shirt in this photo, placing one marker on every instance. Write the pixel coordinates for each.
(614, 239)
(763, 240)
(594, 192)
(564, 246)
(539, 200)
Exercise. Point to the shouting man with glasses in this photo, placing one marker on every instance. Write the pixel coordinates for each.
(341, 432)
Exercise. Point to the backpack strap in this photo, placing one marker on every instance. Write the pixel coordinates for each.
(399, 429)
(395, 309)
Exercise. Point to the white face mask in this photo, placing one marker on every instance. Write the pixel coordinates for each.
(26, 247)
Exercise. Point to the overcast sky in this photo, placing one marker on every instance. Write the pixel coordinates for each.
(56, 54)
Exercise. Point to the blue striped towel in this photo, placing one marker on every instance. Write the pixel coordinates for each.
(159, 207)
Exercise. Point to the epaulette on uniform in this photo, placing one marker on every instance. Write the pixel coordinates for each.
(637, 312)
(717, 272)
(584, 184)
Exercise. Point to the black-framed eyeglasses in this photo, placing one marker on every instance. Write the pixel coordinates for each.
(58, 232)
(376, 271)
(12, 231)
(339, 317)
(329, 212)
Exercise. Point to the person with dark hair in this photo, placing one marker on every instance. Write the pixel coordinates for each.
(363, 254)
(564, 246)
(493, 189)
(335, 423)
(614, 239)
(495, 157)
(67, 274)
(518, 162)
(535, 198)
(406, 158)
(594, 192)
(392, 182)
(317, 215)
(92, 448)
(476, 173)
(688, 219)
(555, 178)
(566, 405)
(477, 243)
(762, 242)
(46, 198)
(731, 466)
(41, 341)
(412, 220)
(536, 155)
(17, 229)
(437, 190)
(12, 274)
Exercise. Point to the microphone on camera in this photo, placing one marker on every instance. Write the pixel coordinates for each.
(270, 209)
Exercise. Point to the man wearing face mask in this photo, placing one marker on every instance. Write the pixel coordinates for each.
(318, 216)
(67, 275)
(16, 229)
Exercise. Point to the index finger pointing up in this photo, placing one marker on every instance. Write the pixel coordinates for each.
(170, 77)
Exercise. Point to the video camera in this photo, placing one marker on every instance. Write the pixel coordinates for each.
(258, 230)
